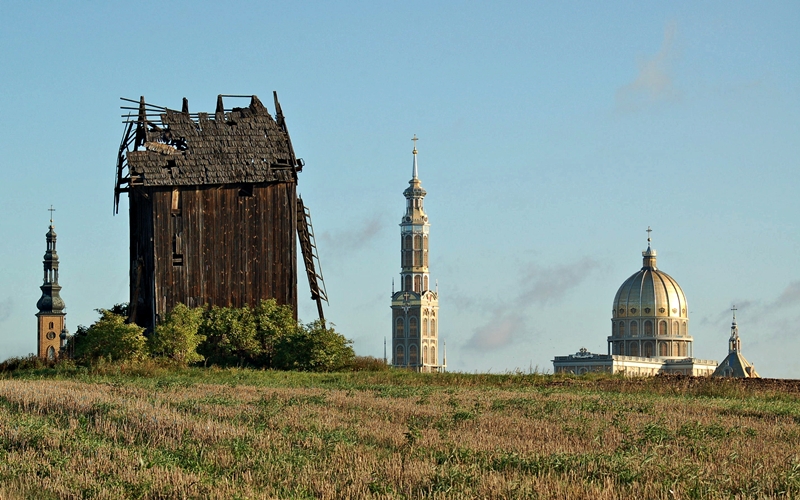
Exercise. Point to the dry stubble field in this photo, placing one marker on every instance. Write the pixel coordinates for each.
(149, 432)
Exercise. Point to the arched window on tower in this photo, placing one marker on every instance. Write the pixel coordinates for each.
(662, 349)
(407, 287)
(621, 328)
(399, 356)
(675, 330)
(412, 327)
(425, 328)
(399, 329)
(418, 284)
(633, 349)
(634, 328)
(425, 357)
(662, 328)
(425, 283)
(433, 328)
(413, 355)
(648, 328)
(433, 359)
(683, 329)
(51, 353)
(648, 349)
(417, 250)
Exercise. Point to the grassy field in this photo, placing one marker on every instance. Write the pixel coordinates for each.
(149, 432)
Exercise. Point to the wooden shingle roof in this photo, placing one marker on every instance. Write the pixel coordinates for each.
(243, 145)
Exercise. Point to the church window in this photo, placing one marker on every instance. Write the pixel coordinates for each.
(425, 283)
(407, 258)
(50, 335)
(417, 242)
(425, 327)
(433, 328)
(51, 325)
(425, 258)
(51, 353)
(683, 329)
(407, 242)
(648, 328)
(413, 355)
(425, 357)
(633, 349)
(399, 356)
(662, 349)
(412, 326)
(621, 328)
(634, 329)
(424, 242)
(417, 284)
(407, 286)
(662, 328)
(399, 328)
(675, 330)
(648, 349)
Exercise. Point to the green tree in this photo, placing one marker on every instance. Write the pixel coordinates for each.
(111, 338)
(177, 337)
(314, 347)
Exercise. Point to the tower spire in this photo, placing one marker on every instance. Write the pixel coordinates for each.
(50, 317)
(414, 152)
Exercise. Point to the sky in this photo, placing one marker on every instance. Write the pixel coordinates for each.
(551, 135)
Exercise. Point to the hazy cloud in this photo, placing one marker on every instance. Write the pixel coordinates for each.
(354, 239)
(5, 309)
(499, 332)
(789, 297)
(539, 286)
(543, 285)
(653, 83)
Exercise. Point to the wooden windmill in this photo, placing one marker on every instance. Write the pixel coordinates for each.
(213, 208)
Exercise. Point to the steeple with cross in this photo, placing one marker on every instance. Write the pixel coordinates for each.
(415, 306)
(734, 343)
(51, 306)
(649, 255)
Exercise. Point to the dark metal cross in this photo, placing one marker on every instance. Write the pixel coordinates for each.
(51, 210)
(648, 233)
(415, 141)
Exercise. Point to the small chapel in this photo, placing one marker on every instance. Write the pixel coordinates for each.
(415, 307)
(734, 364)
(649, 330)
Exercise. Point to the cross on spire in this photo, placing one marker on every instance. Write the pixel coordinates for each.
(415, 143)
(648, 235)
(734, 309)
(51, 210)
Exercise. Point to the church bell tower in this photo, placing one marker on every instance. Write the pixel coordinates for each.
(51, 315)
(415, 307)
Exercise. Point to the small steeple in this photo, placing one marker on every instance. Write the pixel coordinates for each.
(734, 343)
(649, 255)
(414, 174)
(50, 301)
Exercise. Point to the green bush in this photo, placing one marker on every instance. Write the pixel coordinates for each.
(111, 338)
(314, 347)
(176, 337)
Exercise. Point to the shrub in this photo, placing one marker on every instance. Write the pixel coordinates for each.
(314, 347)
(110, 338)
(176, 337)
(367, 364)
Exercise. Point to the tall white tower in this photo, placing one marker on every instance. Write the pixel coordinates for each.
(415, 308)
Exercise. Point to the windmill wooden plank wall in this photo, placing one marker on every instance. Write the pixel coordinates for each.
(213, 208)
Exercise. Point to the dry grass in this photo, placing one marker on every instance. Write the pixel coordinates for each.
(153, 432)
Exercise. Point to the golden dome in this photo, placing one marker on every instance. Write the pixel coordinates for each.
(650, 293)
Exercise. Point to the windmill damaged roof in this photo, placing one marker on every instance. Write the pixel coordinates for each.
(244, 145)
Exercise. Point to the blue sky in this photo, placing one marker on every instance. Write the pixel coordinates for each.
(551, 135)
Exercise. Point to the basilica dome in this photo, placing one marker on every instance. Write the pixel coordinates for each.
(650, 292)
(649, 315)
